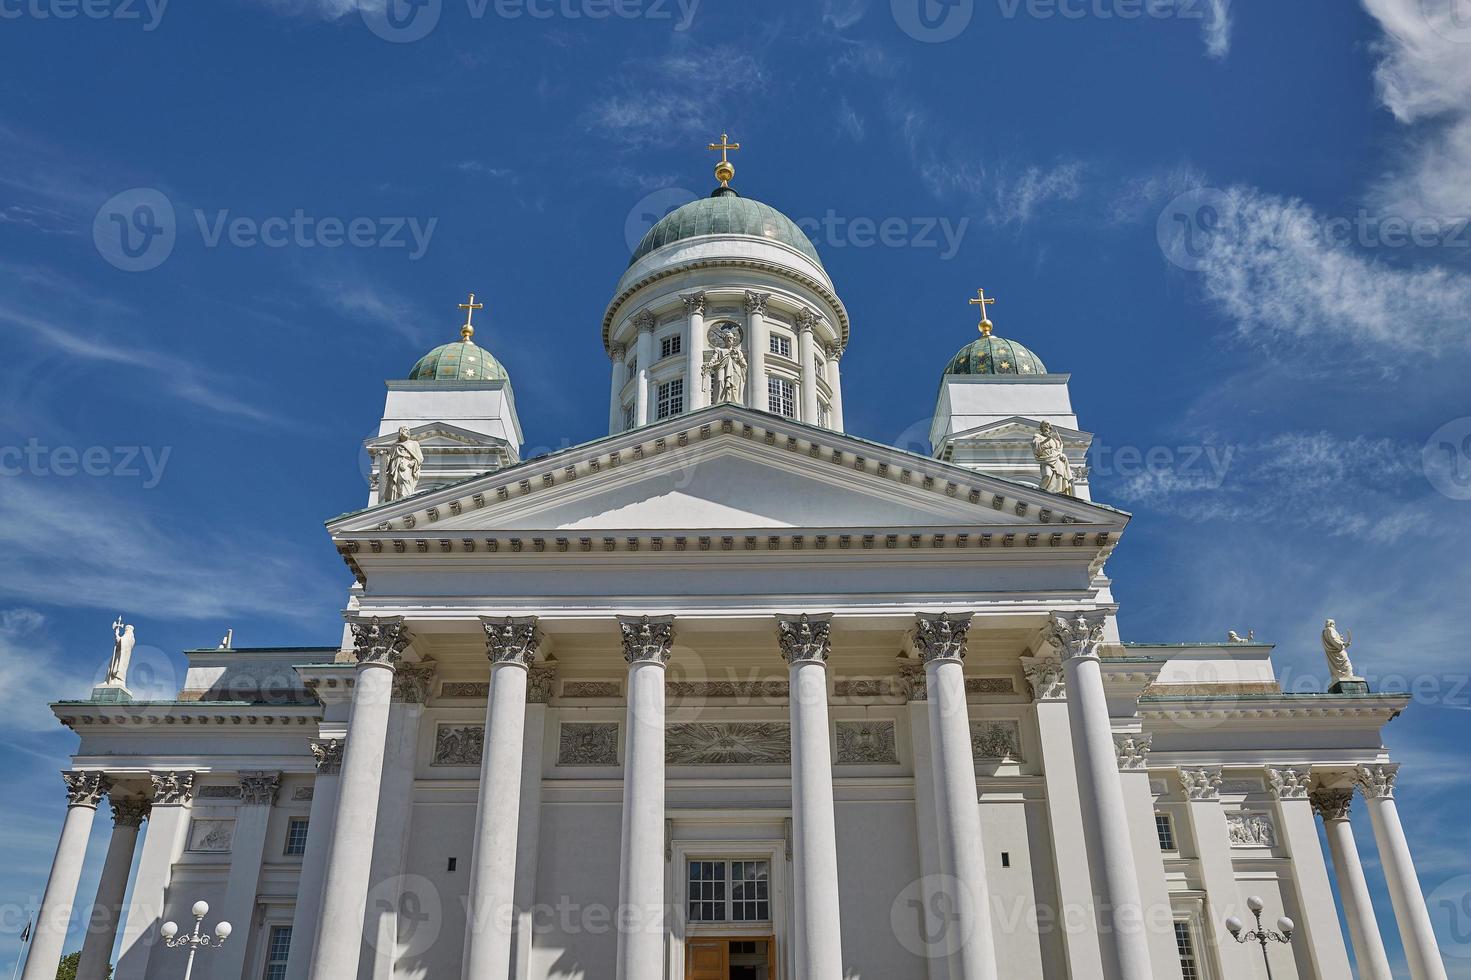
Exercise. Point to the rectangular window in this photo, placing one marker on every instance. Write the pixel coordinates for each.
(671, 399)
(633, 367)
(1185, 944)
(781, 345)
(630, 417)
(1165, 828)
(278, 946)
(296, 836)
(669, 346)
(730, 891)
(824, 414)
(781, 396)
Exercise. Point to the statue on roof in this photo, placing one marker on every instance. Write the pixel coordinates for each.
(401, 467)
(1335, 647)
(122, 652)
(1056, 469)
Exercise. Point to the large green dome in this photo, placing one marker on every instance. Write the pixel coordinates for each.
(725, 213)
(461, 360)
(995, 355)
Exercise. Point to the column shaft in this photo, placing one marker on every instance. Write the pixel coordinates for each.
(1318, 935)
(339, 937)
(819, 949)
(395, 813)
(84, 792)
(112, 888)
(615, 397)
(497, 819)
(645, 348)
(1353, 889)
(807, 360)
(247, 847)
(835, 385)
(320, 821)
(163, 845)
(529, 839)
(696, 391)
(757, 343)
(1422, 952)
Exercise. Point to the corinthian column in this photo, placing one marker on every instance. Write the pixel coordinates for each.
(696, 391)
(804, 645)
(1363, 928)
(969, 944)
(1318, 932)
(510, 645)
(327, 755)
(647, 643)
(84, 790)
(807, 360)
(758, 341)
(644, 323)
(378, 643)
(1125, 945)
(1416, 934)
(127, 816)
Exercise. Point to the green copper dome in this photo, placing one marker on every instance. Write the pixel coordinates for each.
(995, 355)
(725, 213)
(462, 360)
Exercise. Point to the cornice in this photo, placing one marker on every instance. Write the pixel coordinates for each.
(173, 715)
(1379, 708)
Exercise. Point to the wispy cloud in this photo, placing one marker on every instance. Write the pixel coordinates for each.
(328, 9)
(32, 673)
(1216, 29)
(480, 168)
(850, 123)
(669, 100)
(356, 296)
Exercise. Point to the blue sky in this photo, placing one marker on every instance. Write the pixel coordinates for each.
(1297, 362)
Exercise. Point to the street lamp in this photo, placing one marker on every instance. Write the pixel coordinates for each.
(194, 940)
(1260, 935)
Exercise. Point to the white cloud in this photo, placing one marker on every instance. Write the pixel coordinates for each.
(850, 123)
(669, 100)
(843, 14)
(356, 296)
(32, 674)
(1217, 28)
(328, 9)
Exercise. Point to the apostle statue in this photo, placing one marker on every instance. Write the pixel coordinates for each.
(1056, 469)
(1335, 647)
(122, 652)
(727, 365)
(401, 467)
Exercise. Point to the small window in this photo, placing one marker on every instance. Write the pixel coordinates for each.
(296, 836)
(278, 947)
(1165, 828)
(1185, 944)
(781, 397)
(781, 345)
(729, 891)
(669, 346)
(632, 366)
(630, 417)
(824, 414)
(671, 399)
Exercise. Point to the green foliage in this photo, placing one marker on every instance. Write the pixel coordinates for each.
(67, 968)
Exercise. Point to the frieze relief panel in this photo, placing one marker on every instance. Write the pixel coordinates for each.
(211, 836)
(458, 745)
(866, 743)
(728, 743)
(464, 689)
(996, 740)
(745, 690)
(1248, 829)
(588, 744)
(591, 689)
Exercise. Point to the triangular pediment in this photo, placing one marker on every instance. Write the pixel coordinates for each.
(724, 468)
(437, 435)
(1018, 428)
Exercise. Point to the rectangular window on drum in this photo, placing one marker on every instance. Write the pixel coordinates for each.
(671, 399)
(781, 396)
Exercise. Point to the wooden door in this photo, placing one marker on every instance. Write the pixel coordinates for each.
(707, 959)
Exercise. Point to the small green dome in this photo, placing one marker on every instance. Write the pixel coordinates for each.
(995, 355)
(461, 360)
(725, 213)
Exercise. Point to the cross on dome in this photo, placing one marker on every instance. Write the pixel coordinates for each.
(724, 170)
(468, 330)
(983, 301)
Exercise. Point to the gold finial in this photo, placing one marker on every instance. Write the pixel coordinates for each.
(724, 170)
(468, 330)
(983, 301)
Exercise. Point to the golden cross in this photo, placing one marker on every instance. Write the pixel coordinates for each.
(470, 309)
(983, 301)
(724, 146)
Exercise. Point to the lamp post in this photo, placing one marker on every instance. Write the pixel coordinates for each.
(195, 940)
(1260, 935)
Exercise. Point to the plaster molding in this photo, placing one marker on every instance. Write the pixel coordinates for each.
(1201, 783)
(728, 743)
(412, 683)
(865, 743)
(941, 637)
(587, 744)
(694, 302)
(541, 682)
(1332, 804)
(1077, 634)
(172, 788)
(85, 787)
(1377, 782)
(1133, 750)
(1046, 678)
(805, 638)
(511, 640)
(129, 811)
(1289, 784)
(259, 788)
(378, 640)
(755, 302)
(647, 639)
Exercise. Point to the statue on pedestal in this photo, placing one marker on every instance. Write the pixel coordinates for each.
(1056, 469)
(401, 466)
(1335, 648)
(122, 652)
(727, 365)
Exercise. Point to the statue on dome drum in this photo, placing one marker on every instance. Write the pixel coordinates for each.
(401, 466)
(726, 368)
(1056, 469)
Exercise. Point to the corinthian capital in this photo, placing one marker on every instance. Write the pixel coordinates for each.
(172, 788)
(756, 302)
(806, 320)
(259, 788)
(1077, 635)
(85, 788)
(1133, 750)
(129, 811)
(413, 682)
(512, 640)
(694, 302)
(647, 639)
(1377, 782)
(328, 756)
(1289, 784)
(804, 638)
(378, 639)
(1202, 783)
(644, 320)
(1045, 677)
(1332, 804)
(941, 637)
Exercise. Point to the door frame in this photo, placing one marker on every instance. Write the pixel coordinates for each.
(776, 929)
(768, 938)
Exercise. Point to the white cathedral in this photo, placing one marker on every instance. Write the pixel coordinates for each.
(731, 694)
